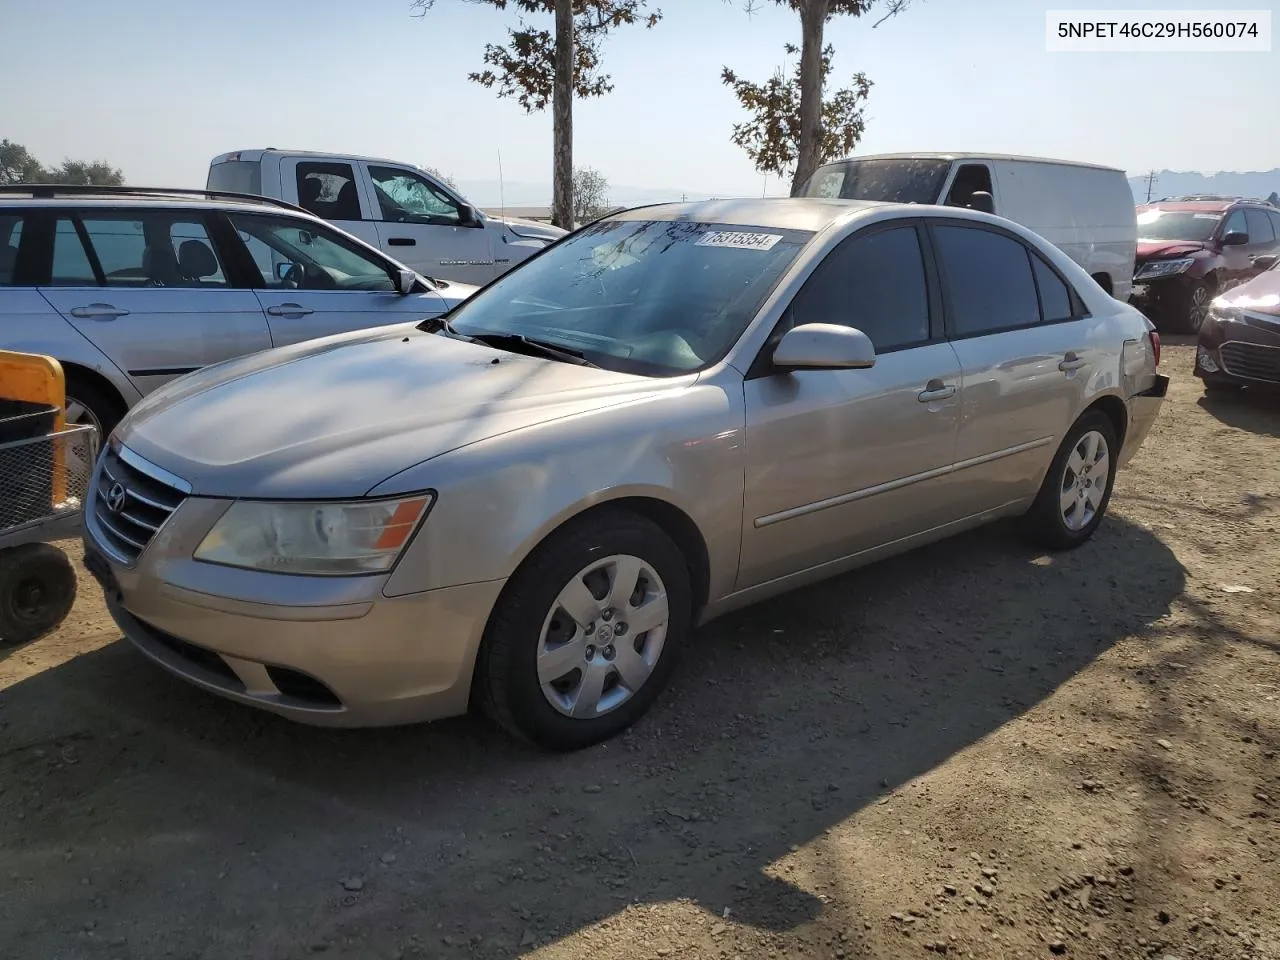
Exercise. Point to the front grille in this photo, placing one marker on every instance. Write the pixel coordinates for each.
(130, 505)
(1252, 361)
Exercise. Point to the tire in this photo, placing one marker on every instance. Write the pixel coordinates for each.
(1048, 521)
(37, 589)
(530, 638)
(1194, 307)
(99, 407)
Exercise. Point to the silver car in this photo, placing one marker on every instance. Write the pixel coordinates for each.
(529, 503)
(131, 287)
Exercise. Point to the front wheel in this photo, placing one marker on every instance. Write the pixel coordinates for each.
(585, 636)
(1077, 488)
(1196, 307)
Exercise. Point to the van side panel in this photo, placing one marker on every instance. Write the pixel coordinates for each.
(1087, 212)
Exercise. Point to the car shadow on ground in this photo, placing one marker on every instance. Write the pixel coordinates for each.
(783, 720)
(1257, 411)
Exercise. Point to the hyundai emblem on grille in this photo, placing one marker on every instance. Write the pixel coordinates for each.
(115, 497)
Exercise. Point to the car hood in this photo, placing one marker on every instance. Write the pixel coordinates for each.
(337, 416)
(453, 292)
(1259, 295)
(531, 229)
(1167, 249)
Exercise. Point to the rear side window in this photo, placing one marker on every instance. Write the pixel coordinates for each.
(874, 282)
(161, 249)
(328, 190)
(10, 239)
(71, 266)
(1259, 227)
(988, 279)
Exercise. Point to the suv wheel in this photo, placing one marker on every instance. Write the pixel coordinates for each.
(583, 639)
(1196, 307)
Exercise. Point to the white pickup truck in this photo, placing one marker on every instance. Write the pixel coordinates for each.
(408, 214)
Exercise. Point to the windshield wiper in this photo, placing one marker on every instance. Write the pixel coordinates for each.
(518, 343)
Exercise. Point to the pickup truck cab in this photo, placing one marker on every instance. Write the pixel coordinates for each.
(405, 212)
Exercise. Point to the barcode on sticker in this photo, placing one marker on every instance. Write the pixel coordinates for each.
(740, 239)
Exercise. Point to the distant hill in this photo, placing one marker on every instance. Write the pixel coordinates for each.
(1172, 183)
(517, 193)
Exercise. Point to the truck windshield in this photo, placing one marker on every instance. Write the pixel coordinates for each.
(650, 297)
(1176, 225)
(897, 180)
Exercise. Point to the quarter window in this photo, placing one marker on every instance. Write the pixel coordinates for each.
(328, 190)
(154, 250)
(988, 279)
(1055, 295)
(874, 282)
(298, 255)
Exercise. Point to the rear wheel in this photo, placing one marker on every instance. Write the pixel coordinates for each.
(37, 589)
(1077, 488)
(88, 404)
(585, 636)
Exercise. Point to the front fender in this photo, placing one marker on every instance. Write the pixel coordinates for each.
(499, 498)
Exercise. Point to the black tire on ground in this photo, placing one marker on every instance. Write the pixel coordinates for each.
(506, 684)
(37, 589)
(106, 409)
(1046, 521)
(1189, 315)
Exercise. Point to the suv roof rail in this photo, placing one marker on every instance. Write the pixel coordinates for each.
(44, 191)
(1191, 198)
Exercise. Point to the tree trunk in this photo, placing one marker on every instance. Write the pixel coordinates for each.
(813, 18)
(562, 119)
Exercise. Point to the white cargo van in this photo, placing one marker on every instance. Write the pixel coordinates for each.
(407, 213)
(1083, 209)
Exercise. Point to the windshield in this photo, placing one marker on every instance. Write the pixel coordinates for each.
(1176, 225)
(902, 180)
(656, 298)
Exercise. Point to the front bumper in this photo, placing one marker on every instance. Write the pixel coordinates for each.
(1244, 352)
(324, 651)
(1143, 410)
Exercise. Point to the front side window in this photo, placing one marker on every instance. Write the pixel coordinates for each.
(405, 197)
(1236, 223)
(1155, 225)
(874, 282)
(294, 255)
(651, 297)
(160, 249)
(10, 240)
(896, 180)
(328, 190)
(988, 280)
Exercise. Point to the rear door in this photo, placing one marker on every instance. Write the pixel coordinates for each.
(1026, 354)
(27, 321)
(421, 223)
(149, 289)
(312, 282)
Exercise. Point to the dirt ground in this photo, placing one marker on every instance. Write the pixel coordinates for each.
(976, 750)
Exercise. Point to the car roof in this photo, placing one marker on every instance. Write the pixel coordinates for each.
(782, 213)
(977, 156)
(256, 155)
(59, 196)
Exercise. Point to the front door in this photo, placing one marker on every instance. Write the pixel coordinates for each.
(841, 461)
(1027, 356)
(421, 224)
(148, 289)
(315, 282)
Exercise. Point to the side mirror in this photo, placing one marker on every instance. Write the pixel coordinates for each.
(982, 201)
(468, 216)
(282, 270)
(406, 280)
(1265, 262)
(824, 346)
(1235, 238)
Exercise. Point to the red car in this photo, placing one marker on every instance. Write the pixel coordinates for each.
(1239, 343)
(1193, 249)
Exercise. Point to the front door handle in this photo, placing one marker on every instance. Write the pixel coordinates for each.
(1070, 362)
(289, 310)
(402, 241)
(935, 389)
(98, 311)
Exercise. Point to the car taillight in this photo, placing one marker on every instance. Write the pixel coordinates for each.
(1155, 345)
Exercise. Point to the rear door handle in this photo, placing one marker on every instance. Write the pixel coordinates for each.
(289, 310)
(402, 241)
(937, 390)
(1070, 362)
(98, 311)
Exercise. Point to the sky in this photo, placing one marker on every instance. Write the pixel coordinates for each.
(158, 87)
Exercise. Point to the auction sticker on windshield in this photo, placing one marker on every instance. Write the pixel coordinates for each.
(740, 240)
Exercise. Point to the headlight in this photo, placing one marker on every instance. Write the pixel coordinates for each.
(1163, 268)
(325, 539)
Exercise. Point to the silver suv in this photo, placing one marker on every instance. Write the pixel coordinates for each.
(131, 287)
